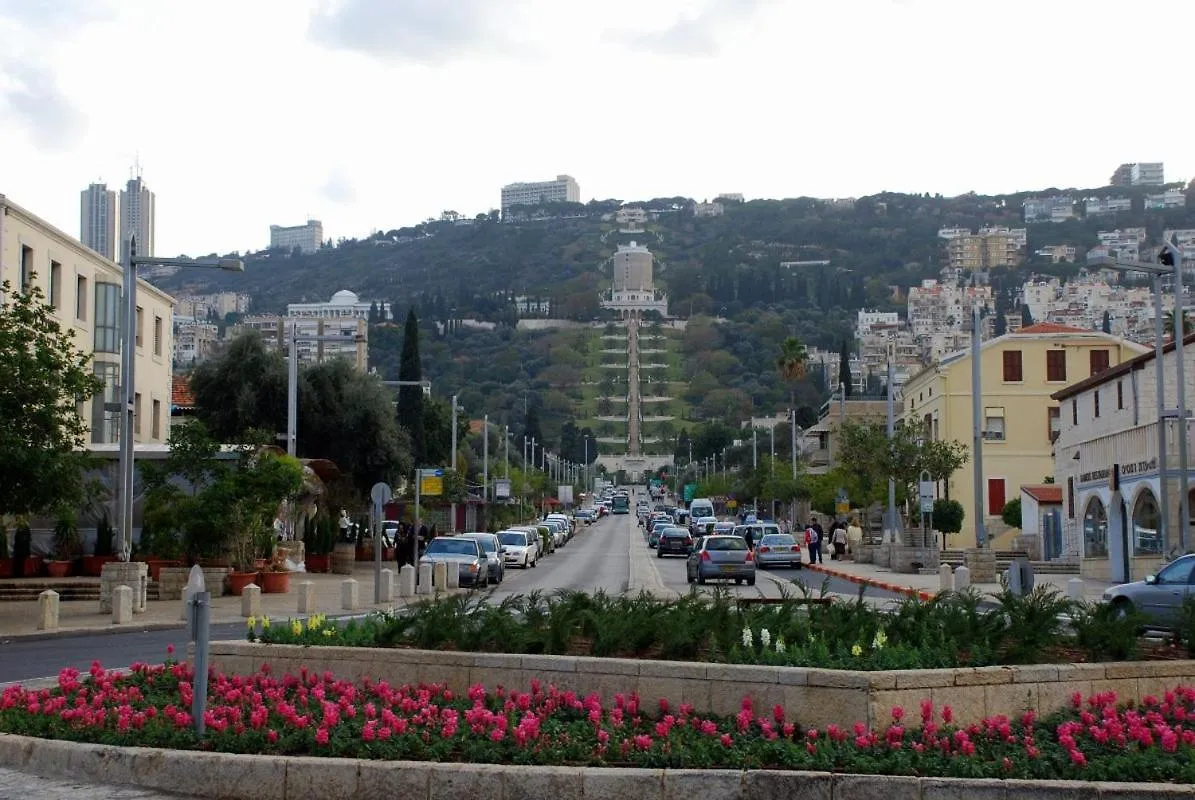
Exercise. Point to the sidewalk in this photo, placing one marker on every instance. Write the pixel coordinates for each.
(19, 619)
(926, 586)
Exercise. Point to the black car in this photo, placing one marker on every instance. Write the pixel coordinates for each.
(674, 540)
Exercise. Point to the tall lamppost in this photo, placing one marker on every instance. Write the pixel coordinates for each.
(128, 373)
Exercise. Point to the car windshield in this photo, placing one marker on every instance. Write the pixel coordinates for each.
(514, 538)
(724, 543)
(678, 533)
(462, 547)
(771, 530)
(487, 543)
(778, 539)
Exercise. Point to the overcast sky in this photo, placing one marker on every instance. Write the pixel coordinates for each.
(379, 113)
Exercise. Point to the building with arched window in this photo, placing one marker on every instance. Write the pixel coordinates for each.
(1116, 517)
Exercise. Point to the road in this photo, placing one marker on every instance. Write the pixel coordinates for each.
(598, 557)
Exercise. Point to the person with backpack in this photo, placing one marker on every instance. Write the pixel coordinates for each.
(813, 540)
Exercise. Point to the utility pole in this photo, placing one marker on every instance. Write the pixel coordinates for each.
(506, 451)
(452, 506)
(892, 525)
(485, 461)
(792, 414)
(977, 427)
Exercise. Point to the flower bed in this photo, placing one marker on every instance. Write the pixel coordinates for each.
(317, 714)
(950, 631)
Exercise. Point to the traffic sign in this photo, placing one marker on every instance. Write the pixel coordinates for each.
(431, 482)
(502, 488)
(381, 494)
(925, 493)
(842, 508)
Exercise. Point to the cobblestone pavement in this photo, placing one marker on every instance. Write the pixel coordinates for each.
(22, 786)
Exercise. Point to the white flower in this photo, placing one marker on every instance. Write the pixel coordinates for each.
(765, 637)
(879, 641)
(748, 638)
(779, 644)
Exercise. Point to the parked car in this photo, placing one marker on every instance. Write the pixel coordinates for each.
(721, 558)
(493, 550)
(777, 549)
(464, 555)
(674, 539)
(521, 548)
(1158, 597)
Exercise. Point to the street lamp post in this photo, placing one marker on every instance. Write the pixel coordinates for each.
(452, 506)
(128, 374)
(977, 427)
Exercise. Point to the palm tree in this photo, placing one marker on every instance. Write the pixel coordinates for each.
(791, 365)
(1168, 323)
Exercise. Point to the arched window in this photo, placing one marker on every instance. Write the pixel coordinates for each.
(1095, 530)
(1147, 538)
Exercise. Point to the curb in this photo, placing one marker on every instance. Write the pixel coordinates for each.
(64, 633)
(253, 777)
(907, 591)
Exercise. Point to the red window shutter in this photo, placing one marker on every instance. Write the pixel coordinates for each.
(1099, 361)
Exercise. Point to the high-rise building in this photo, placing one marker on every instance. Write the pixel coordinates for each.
(1142, 174)
(308, 238)
(136, 218)
(97, 219)
(562, 190)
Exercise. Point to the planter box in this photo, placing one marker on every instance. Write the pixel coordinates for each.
(274, 582)
(94, 565)
(5, 567)
(817, 697)
(237, 581)
(59, 569)
(172, 580)
(318, 563)
(156, 565)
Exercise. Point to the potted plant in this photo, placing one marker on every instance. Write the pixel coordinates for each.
(94, 564)
(275, 579)
(5, 560)
(67, 547)
(320, 538)
(24, 563)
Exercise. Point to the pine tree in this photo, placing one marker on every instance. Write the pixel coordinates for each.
(1106, 325)
(844, 368)
(410, 398)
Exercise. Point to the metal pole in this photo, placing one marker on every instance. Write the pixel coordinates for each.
(1184, 483)
(506, 452)
(452, 506)
(201, 616)
(772, 435)
(754, 447)
(792, 412)
(485, 460)
(1163, 459)
(415, 532)
(977, 429)
(128, 400)
(892, 526)
(292, 392)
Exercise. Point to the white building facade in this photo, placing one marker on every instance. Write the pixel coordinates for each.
(307, 238)
(97, 219)
(343, 305)
(136, 218)
(562, 190)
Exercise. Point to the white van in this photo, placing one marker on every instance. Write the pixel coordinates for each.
(701, 507)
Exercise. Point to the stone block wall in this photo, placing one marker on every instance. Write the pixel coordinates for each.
(172, 581)
(906, 559)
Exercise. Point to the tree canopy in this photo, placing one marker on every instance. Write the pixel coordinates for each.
(45, 379)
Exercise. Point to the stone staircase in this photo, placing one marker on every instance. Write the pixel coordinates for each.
(1005, 557)
(19, 590)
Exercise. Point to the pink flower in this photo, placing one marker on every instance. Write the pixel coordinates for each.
(321, 736)
(725, 739)
(1078, 759)
(947, 714)
(897, 713)
(169, 649)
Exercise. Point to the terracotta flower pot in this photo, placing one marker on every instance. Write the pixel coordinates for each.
(59, 569)
(94, 565)
(237, 581)
(5, 567)
(275, 582)
(318, 563)
(156, 565)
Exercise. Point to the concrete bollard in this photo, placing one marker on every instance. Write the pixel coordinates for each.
(962, 579)
(454, 576)
(251, 601)
(945, 578)
(406, 581)
(440, 576)
(47, 610)
(425, 578)
(122, 605)
(1074, 589)
(387, 584)
(306, 597)
(348, 594)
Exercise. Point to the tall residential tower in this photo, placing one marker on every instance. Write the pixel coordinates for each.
(136, 218)
(97, 219)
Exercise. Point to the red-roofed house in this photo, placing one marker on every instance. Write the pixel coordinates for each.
(1019, 420)
(182, 401)
(1041, 520)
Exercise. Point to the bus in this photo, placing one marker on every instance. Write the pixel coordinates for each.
(621, 504)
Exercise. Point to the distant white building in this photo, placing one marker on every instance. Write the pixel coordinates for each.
(633, 291)
(1100, 206)
(866, 320)
(562, 190)
(348, 337)
(1057, 253)
(708, 209)
(308, 238)
(193, 342)
(343, 305)
(219, 304)
(97, 219)
(1171, 198)
(1057, 208)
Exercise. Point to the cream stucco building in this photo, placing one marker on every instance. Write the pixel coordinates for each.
(84, 290)
(1019, 373)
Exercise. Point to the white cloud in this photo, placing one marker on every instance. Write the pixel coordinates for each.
(338, 188)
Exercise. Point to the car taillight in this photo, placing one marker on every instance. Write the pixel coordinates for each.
(796, 548)
(750, 556)
(705, 556)
(764, 550)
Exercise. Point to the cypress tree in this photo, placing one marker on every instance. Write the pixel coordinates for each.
(410, 398)
(844, 368)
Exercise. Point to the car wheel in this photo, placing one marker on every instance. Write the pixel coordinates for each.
(534, 561)
(659, 553)
(796, 565)
(1122, 607)
(751, 581)
(526, 562)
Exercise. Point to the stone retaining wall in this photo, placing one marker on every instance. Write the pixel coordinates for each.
(241, 777)
(172, 581)
(815, 697)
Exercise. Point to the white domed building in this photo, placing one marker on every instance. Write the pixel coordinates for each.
(344, 304)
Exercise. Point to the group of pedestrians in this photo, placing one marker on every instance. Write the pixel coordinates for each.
(839, 540)
(407, 538)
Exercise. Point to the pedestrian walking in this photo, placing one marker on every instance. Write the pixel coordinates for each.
(813, 541)
(838, 539)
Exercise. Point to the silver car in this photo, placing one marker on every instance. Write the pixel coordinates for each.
(1159, 597)
(496, 569)
(721, 558)
(777, 550)
(464, 554)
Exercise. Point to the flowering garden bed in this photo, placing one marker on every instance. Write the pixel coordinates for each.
(317, 714)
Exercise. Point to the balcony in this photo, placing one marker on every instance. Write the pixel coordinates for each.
(1136, 450)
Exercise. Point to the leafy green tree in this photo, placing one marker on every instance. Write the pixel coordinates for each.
(410, 398)
(45, 378)
(1011, 513)
(844, 369)
(791, 364)
(531, 428)
(1168, 323)
(866, 453)
(948, 516)
(242, 389)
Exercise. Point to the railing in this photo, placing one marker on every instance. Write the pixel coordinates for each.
(1135, 450)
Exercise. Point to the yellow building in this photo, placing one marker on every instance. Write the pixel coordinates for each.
(84, 289)
(1019, 373)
